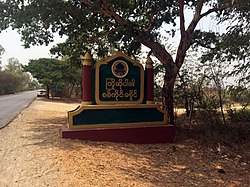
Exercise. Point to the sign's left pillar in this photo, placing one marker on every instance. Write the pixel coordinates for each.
(87, 63)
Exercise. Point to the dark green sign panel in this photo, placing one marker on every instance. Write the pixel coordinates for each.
(119, 79)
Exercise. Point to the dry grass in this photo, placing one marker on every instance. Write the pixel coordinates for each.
(33, 154)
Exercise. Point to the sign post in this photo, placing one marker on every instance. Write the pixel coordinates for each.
(121, 107)
(87, 64)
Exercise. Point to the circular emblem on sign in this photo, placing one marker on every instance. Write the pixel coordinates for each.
(120, 68)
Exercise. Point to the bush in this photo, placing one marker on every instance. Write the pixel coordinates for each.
(208, 126)
(242, 115)
(208, 118)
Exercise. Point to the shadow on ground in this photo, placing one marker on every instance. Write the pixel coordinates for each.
(188, 162)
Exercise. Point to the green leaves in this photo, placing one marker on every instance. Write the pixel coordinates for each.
(86, 23)
(53, 72)
(12, 78)
(46, 71)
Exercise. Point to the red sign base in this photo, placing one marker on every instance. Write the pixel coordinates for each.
(138, 135)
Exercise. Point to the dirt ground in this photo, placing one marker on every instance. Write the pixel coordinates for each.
(32, 153)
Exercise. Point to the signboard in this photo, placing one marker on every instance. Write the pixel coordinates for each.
(119, 80)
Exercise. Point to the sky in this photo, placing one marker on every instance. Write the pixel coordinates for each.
(10, 40)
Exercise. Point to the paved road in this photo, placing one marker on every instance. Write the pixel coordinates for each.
(12, 105)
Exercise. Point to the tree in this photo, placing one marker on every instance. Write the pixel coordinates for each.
(8, 83)
(13, 66)
(216, 73)
(15, 70)
(12, 78)
(1, 52)
(233, 47)
(106, 24)
(54, 72)
(71, 76)
(47, 71)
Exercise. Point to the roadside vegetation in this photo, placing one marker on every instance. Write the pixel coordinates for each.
(210, 103)
(13, 79)
(207, 74)
(59, 77)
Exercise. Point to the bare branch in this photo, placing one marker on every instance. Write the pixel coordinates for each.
(181, 14)
(186, 36)
(210, 11)
(198, 9)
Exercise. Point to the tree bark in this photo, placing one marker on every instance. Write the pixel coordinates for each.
(168, 90)
(47, 90)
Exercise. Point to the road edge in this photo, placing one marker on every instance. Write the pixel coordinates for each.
(12, 117)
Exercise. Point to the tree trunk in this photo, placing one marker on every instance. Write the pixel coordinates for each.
(221, 107)
(168, 90)
(47, 90)
(187, 104)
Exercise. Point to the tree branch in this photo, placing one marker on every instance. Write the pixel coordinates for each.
(205, 46)
(186, 36)
(106, 11)
(211, 11)
(157, 49)
(181, 14)
(196, 17)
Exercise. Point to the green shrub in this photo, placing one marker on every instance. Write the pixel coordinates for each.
(242, 115)
(208, 118)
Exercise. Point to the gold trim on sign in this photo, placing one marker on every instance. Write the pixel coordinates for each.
(118, 125)
(86, 102)
(114, 125)
(114, 65)
(150, 102)
(97, 75)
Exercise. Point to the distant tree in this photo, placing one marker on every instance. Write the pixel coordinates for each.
(14, 68)
(1, 52)
(233, 46)
(71, 76)
(215, 71)
(240, 94)
(8, 83)
(53, 72)
(46, 70)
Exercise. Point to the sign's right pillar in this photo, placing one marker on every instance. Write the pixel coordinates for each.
(149, 76)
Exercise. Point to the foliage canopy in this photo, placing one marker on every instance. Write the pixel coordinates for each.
(54, 72)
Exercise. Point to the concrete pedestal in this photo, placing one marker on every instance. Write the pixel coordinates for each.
(138, 135)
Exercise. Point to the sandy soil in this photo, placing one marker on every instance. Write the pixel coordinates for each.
(32, 153)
